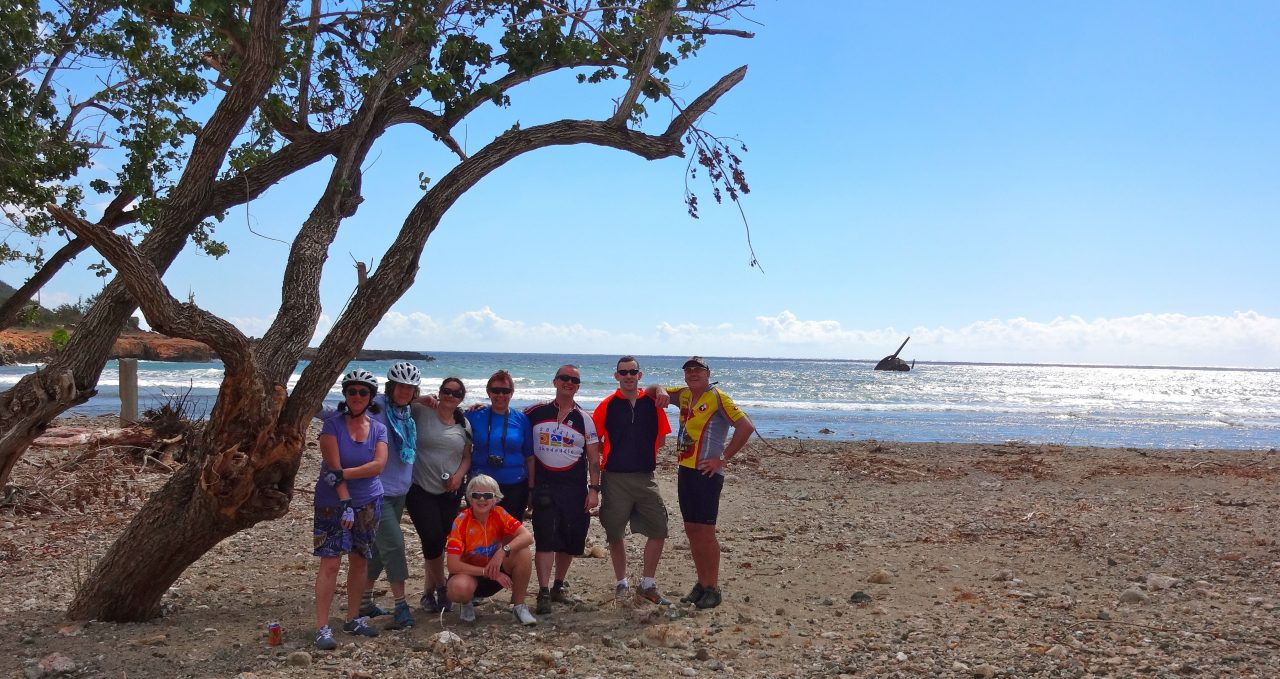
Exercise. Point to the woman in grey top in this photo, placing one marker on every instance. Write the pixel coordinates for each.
(440, 468)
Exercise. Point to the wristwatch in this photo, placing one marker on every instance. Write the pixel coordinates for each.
(506, 549)
(594, 486)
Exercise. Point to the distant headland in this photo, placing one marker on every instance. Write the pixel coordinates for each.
(23, 345)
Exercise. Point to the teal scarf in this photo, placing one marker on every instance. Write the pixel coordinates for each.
(403, 430)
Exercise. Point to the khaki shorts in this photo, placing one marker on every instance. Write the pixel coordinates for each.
(631, 497)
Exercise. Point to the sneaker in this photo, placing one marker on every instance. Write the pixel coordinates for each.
(325, 640)
(710, 598)
(559, 595)
(442, 599)
(360, 627)
(372, 611)
(694, 594)
(404, 618)
(544, 603)
(652, 595)
(467, 613)
(428, 602)
(621, 595)
(522, 615)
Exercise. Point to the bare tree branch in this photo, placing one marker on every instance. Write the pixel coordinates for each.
(691, 113)
(72, 31)
(13, 306)
(734, 33)
(304, 80)
(164, 312)
(640, 71)
(432, 123)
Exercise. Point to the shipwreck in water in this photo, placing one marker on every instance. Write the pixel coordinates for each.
(892, 362)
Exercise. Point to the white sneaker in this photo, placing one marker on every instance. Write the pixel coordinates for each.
(467, 613)
(522, 615)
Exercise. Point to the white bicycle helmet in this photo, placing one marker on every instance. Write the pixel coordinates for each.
(361, 376)
(405, 372)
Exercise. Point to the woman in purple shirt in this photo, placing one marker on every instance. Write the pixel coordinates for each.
(348, 502)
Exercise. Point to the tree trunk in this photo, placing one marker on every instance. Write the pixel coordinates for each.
(239, 473)
(27, 409)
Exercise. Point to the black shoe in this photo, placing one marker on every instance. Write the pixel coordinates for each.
(560, 596)
(694, 595)
(544, 603)
(359, 627)
(710, 598)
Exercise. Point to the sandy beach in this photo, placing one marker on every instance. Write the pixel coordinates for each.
(839, 559)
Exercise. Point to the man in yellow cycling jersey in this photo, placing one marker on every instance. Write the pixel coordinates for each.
(706, 415)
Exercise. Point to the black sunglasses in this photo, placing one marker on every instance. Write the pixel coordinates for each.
(483, 496)
(501, 390)
(354, 391)
(569, 378)
(627, 373)
(456, 393)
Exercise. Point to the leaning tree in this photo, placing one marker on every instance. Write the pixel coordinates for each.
(149, 65)
(328, 79)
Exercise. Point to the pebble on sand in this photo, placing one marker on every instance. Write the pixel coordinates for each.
(56, 663)
(880, 577)
(1133, 595)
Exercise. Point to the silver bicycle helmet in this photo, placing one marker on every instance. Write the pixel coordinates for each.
(405, 372)
(361, 376)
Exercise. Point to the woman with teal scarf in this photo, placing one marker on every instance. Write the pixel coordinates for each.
(402, 435)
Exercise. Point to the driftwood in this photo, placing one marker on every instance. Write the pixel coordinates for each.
(142, 437)
(70, 437)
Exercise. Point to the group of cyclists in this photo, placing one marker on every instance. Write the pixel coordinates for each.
(397, 450)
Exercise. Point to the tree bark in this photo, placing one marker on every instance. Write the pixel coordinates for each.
(241, 472)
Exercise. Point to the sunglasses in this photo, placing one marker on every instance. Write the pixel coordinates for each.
(628, 373)
(456, 393)
(569, 378)
(483, 496)
(357, 392)
(501, 390)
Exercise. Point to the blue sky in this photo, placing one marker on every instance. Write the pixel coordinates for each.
(1090, 182)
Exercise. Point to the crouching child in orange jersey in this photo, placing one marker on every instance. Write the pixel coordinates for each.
(488, 551)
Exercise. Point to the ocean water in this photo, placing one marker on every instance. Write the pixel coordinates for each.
(1074, 405)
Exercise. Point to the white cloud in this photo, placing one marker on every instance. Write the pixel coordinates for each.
(484, 330)
(53, 300)
(250, 325)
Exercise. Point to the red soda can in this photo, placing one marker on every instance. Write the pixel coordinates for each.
(275, 634)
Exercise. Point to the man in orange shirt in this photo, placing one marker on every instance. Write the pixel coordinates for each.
(632, 428)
